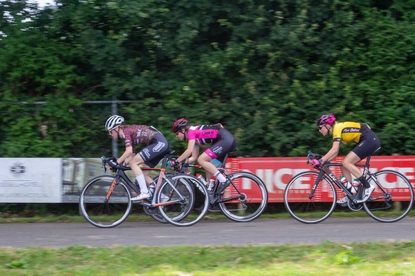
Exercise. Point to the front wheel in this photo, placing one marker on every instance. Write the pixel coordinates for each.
(245, 198)
(392, 198)
(297, 199)
(105, 202)
(176, 199)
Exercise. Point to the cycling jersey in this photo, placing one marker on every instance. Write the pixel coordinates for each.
(138, 134)
(156, 144)
(221, 141)
(349, 131)
(203, 134)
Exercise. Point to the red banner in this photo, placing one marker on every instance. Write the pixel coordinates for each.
(276, 172)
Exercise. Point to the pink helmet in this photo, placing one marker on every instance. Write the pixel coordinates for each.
(326, 119)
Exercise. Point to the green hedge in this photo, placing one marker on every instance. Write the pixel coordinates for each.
(265, 69)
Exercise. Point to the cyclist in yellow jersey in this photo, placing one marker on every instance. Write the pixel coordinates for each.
(345, 132)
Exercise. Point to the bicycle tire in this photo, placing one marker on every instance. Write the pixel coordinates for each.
(245, 199)
(99, 211)
(393, 204)
(180, 213)
(298, 204)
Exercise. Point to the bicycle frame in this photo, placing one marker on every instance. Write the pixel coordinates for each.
(120, 174)
(214, 199)
(325, 170)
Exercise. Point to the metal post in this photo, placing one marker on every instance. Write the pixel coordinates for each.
(114, 141)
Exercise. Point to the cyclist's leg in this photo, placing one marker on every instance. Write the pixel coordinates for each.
(367, 146)
(349, 166)
(224, 144)
(135, 164)
(149, 157)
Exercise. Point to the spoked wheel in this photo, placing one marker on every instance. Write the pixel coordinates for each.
(393, 197)
(178, 194)
(245, 198)
(105, 203)
(308, 210)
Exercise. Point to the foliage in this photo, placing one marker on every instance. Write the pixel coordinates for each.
(264, 69)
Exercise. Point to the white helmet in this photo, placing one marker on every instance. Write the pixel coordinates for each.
(113, 121)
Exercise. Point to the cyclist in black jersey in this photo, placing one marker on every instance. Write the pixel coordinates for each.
(345, 132)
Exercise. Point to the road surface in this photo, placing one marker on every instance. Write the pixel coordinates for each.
(205, 233)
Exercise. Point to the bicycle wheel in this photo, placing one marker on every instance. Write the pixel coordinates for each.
(304, 209)
(245, 198)
(100, 211)
(393, 197)
(177, 193)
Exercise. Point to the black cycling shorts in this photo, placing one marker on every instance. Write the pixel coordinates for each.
(368, 144)
(225, 143)
(155, 151)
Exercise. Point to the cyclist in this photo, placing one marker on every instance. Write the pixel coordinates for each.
(215, 138)
(345, 132)
(156, 147)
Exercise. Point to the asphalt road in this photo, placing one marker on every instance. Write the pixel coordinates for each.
(225, 232)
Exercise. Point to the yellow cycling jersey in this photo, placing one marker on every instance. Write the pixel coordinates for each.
(348, 131)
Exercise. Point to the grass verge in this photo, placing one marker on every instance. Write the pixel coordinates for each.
(327, 258)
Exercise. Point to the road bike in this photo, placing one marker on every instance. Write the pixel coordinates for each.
(391, 200)
(105, 201)
(244, 200)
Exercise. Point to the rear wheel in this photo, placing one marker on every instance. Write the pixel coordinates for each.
(245, 198)
(393, 197)
(104, 202)
(304, 209)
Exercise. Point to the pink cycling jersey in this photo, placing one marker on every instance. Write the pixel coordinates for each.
(203, 134)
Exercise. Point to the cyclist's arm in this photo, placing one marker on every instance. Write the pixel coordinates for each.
(194, 155)
(333, 152)
(127, 153)
(188, 152)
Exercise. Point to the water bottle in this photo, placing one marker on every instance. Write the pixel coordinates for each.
(347, 184)
(201, 178)
(151, 188)
(211, 184)
(356, 183)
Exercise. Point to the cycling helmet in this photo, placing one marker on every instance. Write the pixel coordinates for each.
(113, 122)
(326, 119)
(182, 122)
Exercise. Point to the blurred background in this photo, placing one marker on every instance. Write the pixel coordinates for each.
(265, 69)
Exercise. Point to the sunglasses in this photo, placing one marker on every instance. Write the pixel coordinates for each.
(320, 127)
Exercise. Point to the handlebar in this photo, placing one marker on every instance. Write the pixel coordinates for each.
(112, 162)
(311, 156)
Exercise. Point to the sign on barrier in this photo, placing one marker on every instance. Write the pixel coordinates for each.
(276, 172)
(60, 180)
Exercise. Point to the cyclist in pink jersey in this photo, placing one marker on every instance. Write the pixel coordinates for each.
(156, 147)
(218, 141)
